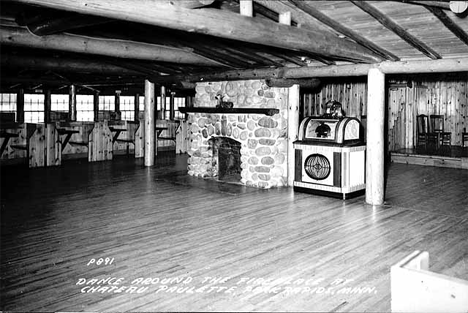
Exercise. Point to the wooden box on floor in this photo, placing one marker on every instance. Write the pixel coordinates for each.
(415, 289)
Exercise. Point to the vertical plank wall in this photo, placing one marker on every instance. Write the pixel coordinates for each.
(406, 97)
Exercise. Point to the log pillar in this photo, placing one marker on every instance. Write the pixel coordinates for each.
(293, 129)
(246, 7)
(162, 111)
(375, 165)
(47, 106)
(172, 106)
(136, 117)
(20, 106)
(285, 18)
(117, 105)
(72, 110)
(150, 125)
(293, 114)
(96, 106)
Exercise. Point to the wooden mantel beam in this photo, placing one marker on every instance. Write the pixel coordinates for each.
(115, 48)
(217, 23)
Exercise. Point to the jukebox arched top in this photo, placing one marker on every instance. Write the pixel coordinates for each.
(342, 131)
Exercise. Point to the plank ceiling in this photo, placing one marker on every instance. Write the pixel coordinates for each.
(119, 43)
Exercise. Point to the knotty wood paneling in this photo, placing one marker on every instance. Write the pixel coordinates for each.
(37, 147)
(159, 223)
(351, 94)
(53, 146)
(445, 94)
(100, 143)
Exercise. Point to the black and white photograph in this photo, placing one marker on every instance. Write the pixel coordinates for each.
(233, 156)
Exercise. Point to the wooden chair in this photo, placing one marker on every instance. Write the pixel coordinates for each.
(423, 130)
(437, 127)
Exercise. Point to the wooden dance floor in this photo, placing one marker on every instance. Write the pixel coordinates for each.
(116, 236)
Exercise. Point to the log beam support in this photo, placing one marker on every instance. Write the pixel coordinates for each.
(15, 36)
(218, 23)
(72, 110)
(375, 164)
(150, 125)
(293, 130)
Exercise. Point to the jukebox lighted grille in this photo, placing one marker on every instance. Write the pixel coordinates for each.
(317, 166)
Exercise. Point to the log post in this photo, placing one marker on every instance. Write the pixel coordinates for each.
(117, 105)
(375, 137)
(293, 114)
(72, 110)
(20, 106)
(150, 125)
(136, 109)
(171, 106)
(285, 18)
(246, 7)
(96, 106)
(293, 129)
(47, 106)
(162, 111)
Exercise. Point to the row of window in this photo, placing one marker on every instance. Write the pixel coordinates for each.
(34, 106)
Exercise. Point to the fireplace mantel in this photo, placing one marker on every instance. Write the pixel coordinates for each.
(266, 111)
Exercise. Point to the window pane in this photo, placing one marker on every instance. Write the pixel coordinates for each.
(142, 103)
(8, 102)
(106, 103)
(127, 108)
(34, 108)
(59, 102)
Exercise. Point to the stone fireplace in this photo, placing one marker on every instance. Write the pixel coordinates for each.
(245, 148)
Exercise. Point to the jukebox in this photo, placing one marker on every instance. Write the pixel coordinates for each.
(330, 154)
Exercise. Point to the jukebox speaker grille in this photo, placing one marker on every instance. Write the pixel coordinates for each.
(317, 166)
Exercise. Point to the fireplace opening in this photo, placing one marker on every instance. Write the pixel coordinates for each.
(227, 157)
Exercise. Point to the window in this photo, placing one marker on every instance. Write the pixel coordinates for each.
(179, 102)
(84, 108)
(107, 103)
(34, 108)
(8, 103)
(59, 103)
(168, 103)
(141, 102)
(127, 108)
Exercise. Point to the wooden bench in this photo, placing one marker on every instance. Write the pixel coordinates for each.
(124, 132)
(415, 289)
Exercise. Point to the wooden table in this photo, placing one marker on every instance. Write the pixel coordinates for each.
(159, 130)
(7, 136)
(69, 133)
(116, 132)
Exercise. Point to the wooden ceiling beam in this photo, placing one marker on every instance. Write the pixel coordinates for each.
(217, 23)
(309, 9)
(454, 28)
(387, 67)
(191, 4)
(47, 22)
(114, 48)
(437, 4)
(59, 64)
(397, 29)
(50, 26)
(266, 12)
